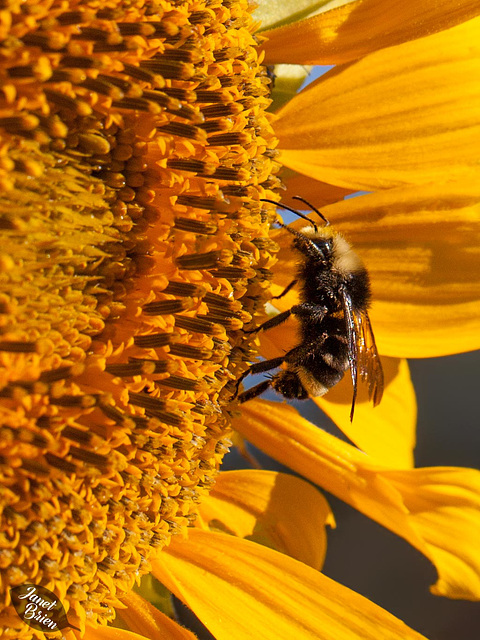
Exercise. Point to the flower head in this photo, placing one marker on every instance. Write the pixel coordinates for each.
(135, 146)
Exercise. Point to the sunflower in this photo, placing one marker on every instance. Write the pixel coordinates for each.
(135, 149)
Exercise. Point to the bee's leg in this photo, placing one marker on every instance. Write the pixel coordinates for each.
(253, 392)
(259, 367)
(286, 290)
(311, 311)
(271, 322)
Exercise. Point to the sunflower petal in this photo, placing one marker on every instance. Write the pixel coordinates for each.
(405, 114)
(445, 507)
(145, 619)
(387, 496)
(319, 193)
(421, 247)
(276, 509)
(284, 598)
(97, 632)
(151, 625)
(385, 432)
(358, 28)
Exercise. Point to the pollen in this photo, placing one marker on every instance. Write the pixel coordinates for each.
(134, 150)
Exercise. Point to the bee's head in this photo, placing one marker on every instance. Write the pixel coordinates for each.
(330, 246)
(318, 242)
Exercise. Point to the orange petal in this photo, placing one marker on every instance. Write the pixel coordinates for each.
(405, 114)
(244, 590)
(406, 502)
(358, 28)
(145, 619)
(319, 193)
(421, 245)
(276, 509)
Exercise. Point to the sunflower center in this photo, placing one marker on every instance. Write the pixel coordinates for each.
(134, 150)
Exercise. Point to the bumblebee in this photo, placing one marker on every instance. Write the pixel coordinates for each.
(335, 330)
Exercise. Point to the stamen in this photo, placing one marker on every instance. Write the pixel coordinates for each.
(198, 326)
(146, 401)
(81, 401)
(229, 139)
(190, 351)
(188, 289)
(195, 226)
(201, 202)
(171, 70)
(178, 382)
(66, 102)
(164, 307)
(159, 366)
(95, 459)
(183, 130)
(73, 433)
(152, 340)
(18, 346)
(129, 369)
(204, 260)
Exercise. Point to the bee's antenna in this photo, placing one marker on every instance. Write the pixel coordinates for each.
(297, 213)
(312, 208)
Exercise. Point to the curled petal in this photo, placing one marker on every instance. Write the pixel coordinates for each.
(435, 510)
(444, 503)
(145, 619)
(276, 509)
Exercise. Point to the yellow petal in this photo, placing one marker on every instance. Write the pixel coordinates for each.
(384, 495)
(276, 509)
(155, 627)
(358, 28)
(387, 431)
(421, 245)
(445, 507)
(145, 619)
(406, 114)
(244, 590)
(97, 632)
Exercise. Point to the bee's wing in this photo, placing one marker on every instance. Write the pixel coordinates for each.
(369, 364)
(362, 352)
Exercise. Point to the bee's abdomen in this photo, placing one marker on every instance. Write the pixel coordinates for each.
(322, 361)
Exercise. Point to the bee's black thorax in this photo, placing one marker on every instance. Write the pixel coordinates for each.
(323, 271)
